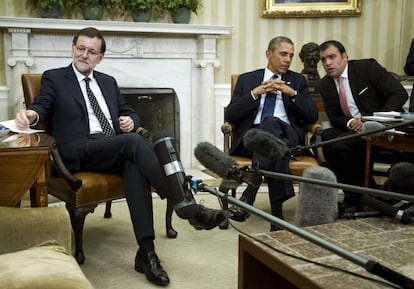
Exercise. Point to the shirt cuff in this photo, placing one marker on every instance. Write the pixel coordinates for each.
(36, 121)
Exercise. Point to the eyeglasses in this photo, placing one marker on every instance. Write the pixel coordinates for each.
(91, 53)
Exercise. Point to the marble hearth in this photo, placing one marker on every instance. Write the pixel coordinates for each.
(162, 55)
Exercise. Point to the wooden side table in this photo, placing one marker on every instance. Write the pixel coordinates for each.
(404, 143)
(25, 165)
(379, 239)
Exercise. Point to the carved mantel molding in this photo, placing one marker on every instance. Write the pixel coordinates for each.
(180, 56)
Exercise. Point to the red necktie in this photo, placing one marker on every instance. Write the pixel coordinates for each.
(342, 97)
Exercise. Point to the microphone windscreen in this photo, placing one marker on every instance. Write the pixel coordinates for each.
(386, 209)
(214, 159)
(316, 204)
(401, 178)
(372, 126)
(264, 143)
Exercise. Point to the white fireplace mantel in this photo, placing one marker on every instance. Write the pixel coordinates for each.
(178, 56)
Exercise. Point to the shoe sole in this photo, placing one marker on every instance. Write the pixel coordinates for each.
(197, 227)
(141, 270)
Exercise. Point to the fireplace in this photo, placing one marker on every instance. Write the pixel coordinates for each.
(158, 109)
(179, 57)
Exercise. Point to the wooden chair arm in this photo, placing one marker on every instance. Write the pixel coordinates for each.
(227, 128)
(73, 182)
(314, 128)
(143, 131)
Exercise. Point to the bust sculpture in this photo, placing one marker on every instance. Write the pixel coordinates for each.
(310, 57)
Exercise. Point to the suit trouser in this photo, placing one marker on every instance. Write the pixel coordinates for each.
(279, 190)
(132, 157)
(346, 158)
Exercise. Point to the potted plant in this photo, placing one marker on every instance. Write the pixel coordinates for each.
(46, 8)
(141, 10)
(94, 9)
(181, 9)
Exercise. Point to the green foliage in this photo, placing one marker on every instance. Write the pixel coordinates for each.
(173, 5)
(142, 5)
(43, 4)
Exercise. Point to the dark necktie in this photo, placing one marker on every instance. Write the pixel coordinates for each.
(106, 127)
(270, 102)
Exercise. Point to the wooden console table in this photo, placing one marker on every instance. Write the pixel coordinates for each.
(404, 143)
(379, 239)
(25, 165)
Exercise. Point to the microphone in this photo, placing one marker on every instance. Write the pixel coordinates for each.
(264, 143)
(219, 162)
(316, 204)
(373, 127)
(388, 210)
(401, 178)
(224, 166)
(370, 266)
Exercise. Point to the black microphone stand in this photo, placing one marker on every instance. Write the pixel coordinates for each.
(300, 148)
(345, 187)
(369, 265)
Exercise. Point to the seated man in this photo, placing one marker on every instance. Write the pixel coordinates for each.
(277, 100)
(409, 70)
(94, 129)
(350, 90)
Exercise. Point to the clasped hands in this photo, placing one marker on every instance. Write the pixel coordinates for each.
(274, 85)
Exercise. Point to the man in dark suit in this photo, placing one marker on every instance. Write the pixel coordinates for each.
(409, 70)
(293, 109)
(103, 139)
(367, 88)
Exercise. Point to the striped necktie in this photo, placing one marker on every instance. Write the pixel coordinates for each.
(106, 127)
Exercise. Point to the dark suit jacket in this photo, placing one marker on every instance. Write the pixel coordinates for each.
(61, 102)
(242, 108)
(409, 64)
(373, 89)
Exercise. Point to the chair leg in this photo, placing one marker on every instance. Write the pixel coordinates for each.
(108, 213)
(77, 217)
(171, 233)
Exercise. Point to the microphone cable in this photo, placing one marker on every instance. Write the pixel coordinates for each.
(330, 267)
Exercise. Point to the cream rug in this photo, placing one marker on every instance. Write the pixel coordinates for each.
(196, 259)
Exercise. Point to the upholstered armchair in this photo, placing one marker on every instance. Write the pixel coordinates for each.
(297, 165)
(81, 191)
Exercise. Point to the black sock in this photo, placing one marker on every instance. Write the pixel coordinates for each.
(146, 244)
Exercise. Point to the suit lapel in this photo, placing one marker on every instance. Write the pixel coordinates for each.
(74, 88)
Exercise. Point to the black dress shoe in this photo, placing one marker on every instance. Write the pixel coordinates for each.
(238, 214)
(149, 264)
(207, 219)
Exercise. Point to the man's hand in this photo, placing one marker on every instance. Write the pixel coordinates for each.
(126, 124)
(356, 124)
(274, 85)
(24, 118)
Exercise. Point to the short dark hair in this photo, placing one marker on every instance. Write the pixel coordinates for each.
(92, 33)
(275, 42)
(335, 43)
